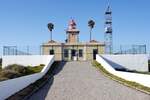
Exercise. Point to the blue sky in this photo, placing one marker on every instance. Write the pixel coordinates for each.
(24, 22)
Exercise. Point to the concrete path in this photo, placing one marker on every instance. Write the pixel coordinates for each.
(81, 81)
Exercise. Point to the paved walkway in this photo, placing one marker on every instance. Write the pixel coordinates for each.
(81, 81)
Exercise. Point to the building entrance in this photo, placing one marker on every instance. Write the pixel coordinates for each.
(95, 51)
(73, 54)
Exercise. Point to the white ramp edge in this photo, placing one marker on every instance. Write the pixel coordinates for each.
(142, 79)
(10, 87)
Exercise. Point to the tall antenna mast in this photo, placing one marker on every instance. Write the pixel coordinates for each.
(108, 30)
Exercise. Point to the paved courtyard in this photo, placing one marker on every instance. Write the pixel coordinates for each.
(81, 81)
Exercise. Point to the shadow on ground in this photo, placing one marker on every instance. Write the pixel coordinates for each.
(42, 92)
(119, 67)
(116, 66)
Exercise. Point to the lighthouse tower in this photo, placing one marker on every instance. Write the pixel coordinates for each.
(108, 31)
(72, 33)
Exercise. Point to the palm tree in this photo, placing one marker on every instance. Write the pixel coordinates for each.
(91, 24)
(50, 27)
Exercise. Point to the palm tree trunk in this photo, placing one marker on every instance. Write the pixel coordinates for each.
(50, 35)
(90, 34)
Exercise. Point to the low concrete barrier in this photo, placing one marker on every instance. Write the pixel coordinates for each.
(9, 87)
(138, 62)
(135, 77)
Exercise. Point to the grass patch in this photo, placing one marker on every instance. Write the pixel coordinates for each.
(15, 71)
(26, 92)
(121, 80)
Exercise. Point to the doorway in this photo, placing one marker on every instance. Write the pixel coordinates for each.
(51, 52)
(73, 54)
(95, 51)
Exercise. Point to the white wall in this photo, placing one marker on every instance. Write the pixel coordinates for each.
(149, 56)
(25, 60)
(137, 62)
(9, 87)
(139, 78)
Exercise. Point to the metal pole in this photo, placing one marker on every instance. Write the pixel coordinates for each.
(27, 50)
(145, 49)
(4, 50)
(40, 50)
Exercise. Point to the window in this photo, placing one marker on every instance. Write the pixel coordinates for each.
(51, 52)
(65, 52)
(80, 53)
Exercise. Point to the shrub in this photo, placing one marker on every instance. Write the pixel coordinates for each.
(3, 78)
(0, 63)
(42, 65)
(14, 71)
(35, 69)
(9, 74)
(16, 68)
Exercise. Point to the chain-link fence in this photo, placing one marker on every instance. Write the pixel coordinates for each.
(21, 50)
(131, 49)
(37, 50)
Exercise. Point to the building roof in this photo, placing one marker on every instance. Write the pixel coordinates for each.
(52, 41)
(94, 41)
(73, 44)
